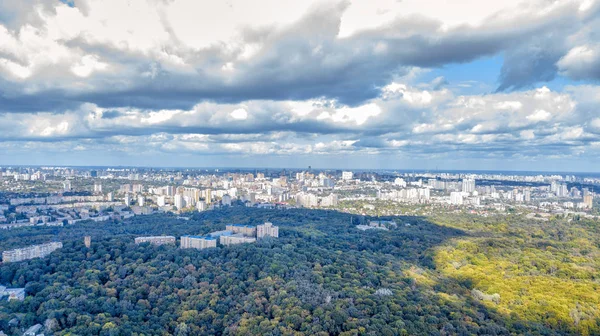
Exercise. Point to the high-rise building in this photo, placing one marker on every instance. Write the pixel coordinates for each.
(208, 196)
(201, 206)
(588, 200)
(160, 201)
(97, 188)
(347, 175)
(67, 185)
(179, 202)
(127, 200)
(329, 201)
(527, 195)
(141, 200)
(456, 198)
(87, 240)
(267, 230)
(198, 242)
(468, 185)
(226, 200)
(171, 191)
(327, 182)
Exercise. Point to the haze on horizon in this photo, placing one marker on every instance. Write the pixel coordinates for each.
(506, 85)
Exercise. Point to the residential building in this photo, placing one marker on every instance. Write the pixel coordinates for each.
(30, 252)
(179, 202)
(12, 293)
(198, 242)
(456, 198)
(588, 200)
(246, 230)
(468, 185)
(347, 175)
(267, 230)
(235, 239)
(156, 240)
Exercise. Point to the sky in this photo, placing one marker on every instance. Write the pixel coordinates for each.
(382, 84)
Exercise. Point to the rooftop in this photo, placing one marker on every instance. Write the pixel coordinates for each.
(243, 225)
(200, 237)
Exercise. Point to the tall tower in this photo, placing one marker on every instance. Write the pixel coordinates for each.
(87, 240)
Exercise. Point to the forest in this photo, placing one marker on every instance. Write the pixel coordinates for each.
(452, 274)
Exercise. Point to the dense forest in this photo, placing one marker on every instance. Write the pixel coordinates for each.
(456, 274)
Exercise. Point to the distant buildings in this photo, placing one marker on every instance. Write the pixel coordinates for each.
(157, 240)
(87, 240)
(329, 201)
(246, 230)
(201, 206)
(233, 239)
(226, 200)
(12, 293)
(456, 198)
(179, 202)
(468, 185)
(347, 175)
(267, 230)
(588, 200)
(30, 252)
(400, 182)
(198, 242)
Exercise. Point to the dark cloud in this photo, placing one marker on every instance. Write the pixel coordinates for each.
(531, 63)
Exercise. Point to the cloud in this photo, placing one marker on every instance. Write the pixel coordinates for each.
(319, 79)
(61, 55)
(581, 62)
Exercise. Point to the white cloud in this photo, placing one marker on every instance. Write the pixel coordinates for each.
(239, 114)
(88, 65)
(581, 62)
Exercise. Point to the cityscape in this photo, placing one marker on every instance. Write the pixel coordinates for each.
(289, 168)
(60, 196)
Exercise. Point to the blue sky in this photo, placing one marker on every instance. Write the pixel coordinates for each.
(348, 84)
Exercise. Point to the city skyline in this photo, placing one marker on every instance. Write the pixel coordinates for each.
(511, 85)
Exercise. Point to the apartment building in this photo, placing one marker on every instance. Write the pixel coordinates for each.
(30, 252)
(246, 230)
(267, 230)
(198, 242)
(157, 240)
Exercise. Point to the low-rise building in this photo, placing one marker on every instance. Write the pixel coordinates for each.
(235, 239)
(157, 240)
(30, 252)
(198, 242)
(12, 293)
(246, 230)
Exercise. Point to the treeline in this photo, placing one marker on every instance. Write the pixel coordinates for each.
(321, 277)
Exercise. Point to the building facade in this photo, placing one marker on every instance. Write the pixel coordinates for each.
(30, 252)
(246, 230)
(236, 239)
(267, 230)
(198, 242)
(157, 240)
